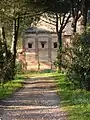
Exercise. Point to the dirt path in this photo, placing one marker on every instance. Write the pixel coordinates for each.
(37, 100)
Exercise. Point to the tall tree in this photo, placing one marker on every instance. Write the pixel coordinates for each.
(79, 8)
(85, 8)
(13, 12)
(76, 13)
(61, 13)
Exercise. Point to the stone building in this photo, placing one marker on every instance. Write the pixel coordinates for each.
(40, 45)
(40, 48)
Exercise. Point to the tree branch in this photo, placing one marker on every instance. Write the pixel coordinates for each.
(62, 22)
(56, 22)
(48, 22)
(66, 20)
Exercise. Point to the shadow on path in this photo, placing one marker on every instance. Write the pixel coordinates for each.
(37, 100)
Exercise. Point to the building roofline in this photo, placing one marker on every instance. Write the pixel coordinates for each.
(36, 30)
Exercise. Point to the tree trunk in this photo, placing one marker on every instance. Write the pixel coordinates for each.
(14, 43)
(59, 29)
(60, 39)
(59, 35)
(4, 42)
(59, 54)
(84, 14)
(13, 35)
(74, 26)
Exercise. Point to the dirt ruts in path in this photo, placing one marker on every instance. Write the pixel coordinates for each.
(37, 100)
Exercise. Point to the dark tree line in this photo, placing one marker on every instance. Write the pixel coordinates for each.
(13, 17)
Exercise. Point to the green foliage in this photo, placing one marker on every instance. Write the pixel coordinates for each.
(56, 6)
(18, 68)
(78, 69)
(58, 61)
(15, 15)
(75, 102)
(9, 87)
(1, 61)
(5, 64)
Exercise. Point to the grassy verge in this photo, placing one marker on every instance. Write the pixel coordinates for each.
(75, 102)
(43, 73)
(10, 87)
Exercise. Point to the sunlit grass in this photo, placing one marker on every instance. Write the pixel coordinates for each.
(43, 73)
(10, 87)
(76, 102)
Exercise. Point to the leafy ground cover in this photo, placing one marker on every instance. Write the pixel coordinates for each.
(76, 102)
(10, 87)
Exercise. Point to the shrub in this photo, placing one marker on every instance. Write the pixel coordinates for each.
(78, 67)
(5, 64)
(18, 68)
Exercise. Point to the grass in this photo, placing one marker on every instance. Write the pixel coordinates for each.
(10, 87)
(76, 102)
(43, 73)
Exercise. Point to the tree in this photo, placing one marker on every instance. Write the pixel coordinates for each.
(78, 71)
(61, 13)
(79, 8)
(84, 9)
(11, 14)
(76, 13)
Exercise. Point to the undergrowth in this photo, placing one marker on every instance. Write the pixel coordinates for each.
(10, 87)
(76, 102)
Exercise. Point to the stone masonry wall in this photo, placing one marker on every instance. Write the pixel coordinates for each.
(40, 52)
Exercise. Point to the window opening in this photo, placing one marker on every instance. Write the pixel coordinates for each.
(43, 44)
(29, 45)
(55, 44)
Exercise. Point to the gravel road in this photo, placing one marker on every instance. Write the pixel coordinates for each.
(37, 100)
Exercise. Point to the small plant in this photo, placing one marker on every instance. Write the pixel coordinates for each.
(8, 88)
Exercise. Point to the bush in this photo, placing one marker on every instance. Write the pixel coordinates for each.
(5, 64)
(18, 68)
(78, 67)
